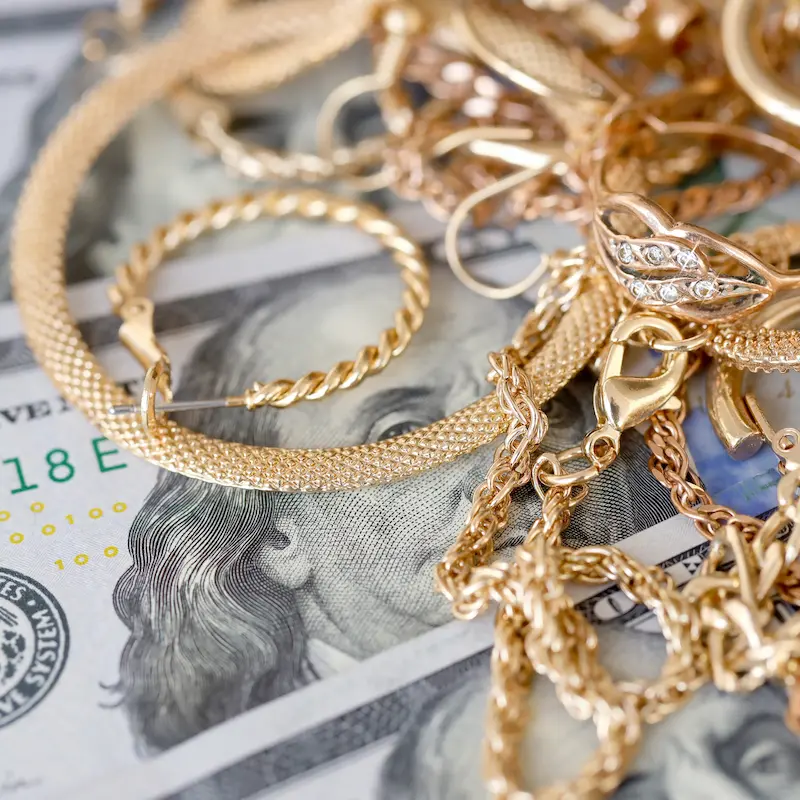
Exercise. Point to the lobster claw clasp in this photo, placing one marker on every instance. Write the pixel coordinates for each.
(622, 401)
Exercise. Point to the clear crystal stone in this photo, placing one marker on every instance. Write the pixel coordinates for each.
(668, 293)
(625, 253)
(704, 289)
(654, 255)
(638, 289)
(687, 259)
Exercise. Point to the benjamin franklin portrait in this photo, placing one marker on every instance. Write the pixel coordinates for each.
(236, 597)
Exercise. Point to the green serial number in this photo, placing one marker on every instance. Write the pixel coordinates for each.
(58, 466)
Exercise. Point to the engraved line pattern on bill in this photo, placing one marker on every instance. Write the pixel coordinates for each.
(178, 315)
(386, 716)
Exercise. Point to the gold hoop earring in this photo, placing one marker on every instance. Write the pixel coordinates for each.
(130, 302)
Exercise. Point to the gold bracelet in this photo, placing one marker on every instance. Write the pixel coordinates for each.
(128, 297)
(37, 266)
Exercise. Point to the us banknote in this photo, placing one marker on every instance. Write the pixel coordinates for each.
(141, 612)
(184, 604)
(159, 607)
(408, 723)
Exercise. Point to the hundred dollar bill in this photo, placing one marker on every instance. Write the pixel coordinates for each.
(153, 608)
(140, 609)
(408, 723)
(174, 605)
(171, 606)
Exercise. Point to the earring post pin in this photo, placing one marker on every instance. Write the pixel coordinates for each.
(184, 405)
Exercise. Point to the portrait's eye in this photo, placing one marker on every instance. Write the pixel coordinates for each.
(398, 429)
(399, 422)
(768, 757)
(767, 761)
(399, 411)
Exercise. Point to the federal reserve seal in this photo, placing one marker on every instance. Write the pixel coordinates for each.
(34, 640)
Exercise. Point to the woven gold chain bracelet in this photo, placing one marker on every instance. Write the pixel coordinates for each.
(38, 277)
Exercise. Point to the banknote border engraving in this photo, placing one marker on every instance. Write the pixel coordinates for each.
(323, 744)
(32, 600)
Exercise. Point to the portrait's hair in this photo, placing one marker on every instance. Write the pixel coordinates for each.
(203, 617)
(213, 631)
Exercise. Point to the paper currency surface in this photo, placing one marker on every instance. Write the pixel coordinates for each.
(182, 604)
(161, 636)
(186, 603)
(408, 723)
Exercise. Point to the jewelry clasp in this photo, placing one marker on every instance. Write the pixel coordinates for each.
(736, 415)
(137, 333)
(622, 401)
(740, 422)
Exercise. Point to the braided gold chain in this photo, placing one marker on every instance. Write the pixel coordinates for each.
(671, 467)
(470, 591)
(538, 628)
(737, 604)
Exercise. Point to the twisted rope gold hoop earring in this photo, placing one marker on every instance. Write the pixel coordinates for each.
(130, 302)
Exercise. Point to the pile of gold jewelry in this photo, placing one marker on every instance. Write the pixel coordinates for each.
(561, 109)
